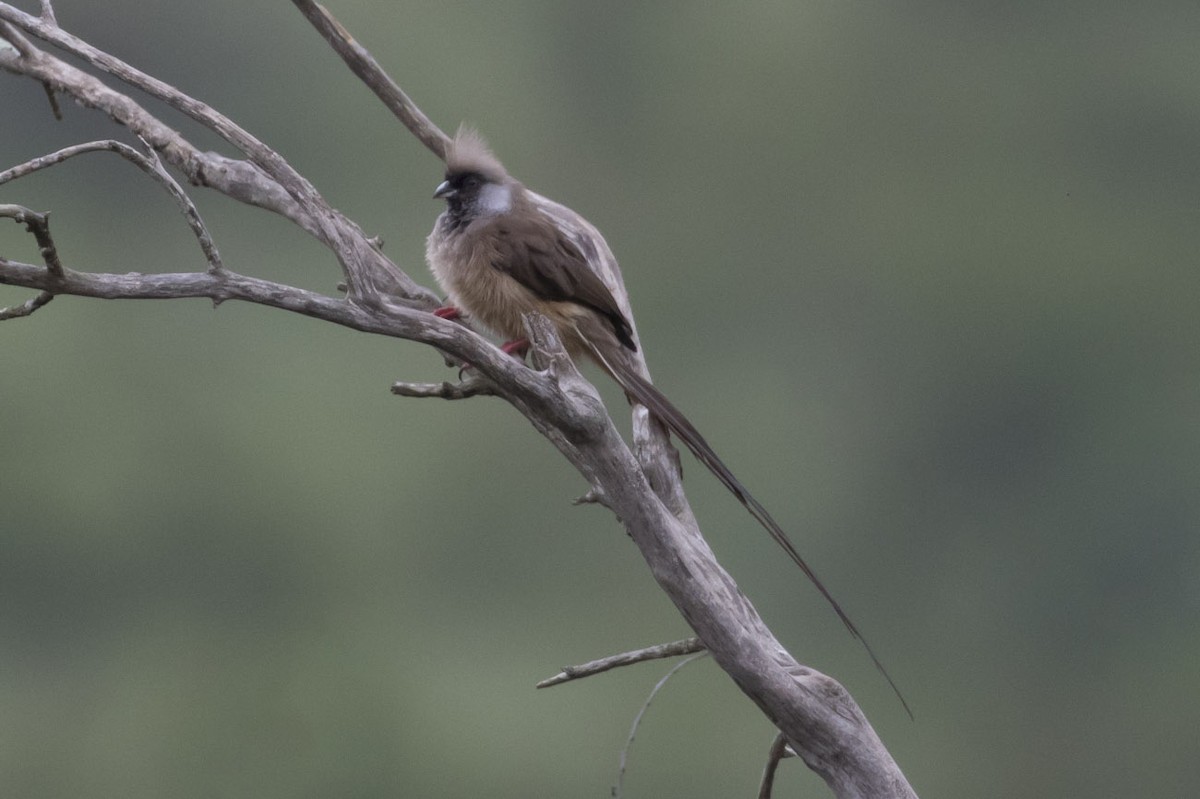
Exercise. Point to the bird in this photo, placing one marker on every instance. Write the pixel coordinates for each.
(498, 255)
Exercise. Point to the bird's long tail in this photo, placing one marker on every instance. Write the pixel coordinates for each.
(641, 390)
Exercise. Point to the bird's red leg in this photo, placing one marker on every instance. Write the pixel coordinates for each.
(518, 347)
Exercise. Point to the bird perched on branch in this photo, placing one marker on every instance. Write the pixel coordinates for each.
(498, 255)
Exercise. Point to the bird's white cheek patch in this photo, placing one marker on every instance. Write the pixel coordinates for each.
(495, 199)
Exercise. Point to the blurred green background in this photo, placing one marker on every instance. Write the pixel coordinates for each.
(925, 274)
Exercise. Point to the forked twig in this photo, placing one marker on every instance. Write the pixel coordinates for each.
(39, 226)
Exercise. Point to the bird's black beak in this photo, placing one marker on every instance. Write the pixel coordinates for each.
(444, 189)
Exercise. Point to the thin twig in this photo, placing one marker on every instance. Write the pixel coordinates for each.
(619, 788)
(48, 12)
(57, 157)
(364, 65)
(26, 308)
(687, 646)
(778, 751)
(150, 164)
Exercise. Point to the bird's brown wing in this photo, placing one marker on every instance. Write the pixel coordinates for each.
(535, 253)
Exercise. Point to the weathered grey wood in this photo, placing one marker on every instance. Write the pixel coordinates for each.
(640, 484)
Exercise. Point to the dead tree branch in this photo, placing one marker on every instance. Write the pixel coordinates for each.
(641, 485)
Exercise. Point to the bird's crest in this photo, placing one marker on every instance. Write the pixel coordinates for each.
(468, 152)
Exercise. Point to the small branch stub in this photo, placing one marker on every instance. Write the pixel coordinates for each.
(473, 386)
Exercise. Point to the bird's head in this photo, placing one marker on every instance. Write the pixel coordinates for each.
(476, 183)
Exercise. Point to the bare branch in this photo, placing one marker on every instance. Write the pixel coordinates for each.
(619, 788)
(26, 308)
(367, 271)
(398, 322)
(149, 163)
(56, 157)
(524, 387)
(779, 750)
(364, 65)
(687, 646)
(48, 12)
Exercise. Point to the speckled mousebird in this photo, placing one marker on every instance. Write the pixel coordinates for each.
(498, 255)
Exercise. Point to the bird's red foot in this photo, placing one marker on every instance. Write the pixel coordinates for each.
(448, 312)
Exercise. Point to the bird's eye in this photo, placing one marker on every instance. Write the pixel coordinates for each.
(471, 182)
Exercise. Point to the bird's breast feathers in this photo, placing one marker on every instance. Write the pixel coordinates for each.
(465, 266)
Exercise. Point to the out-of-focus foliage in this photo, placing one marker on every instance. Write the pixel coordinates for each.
(925, 273)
